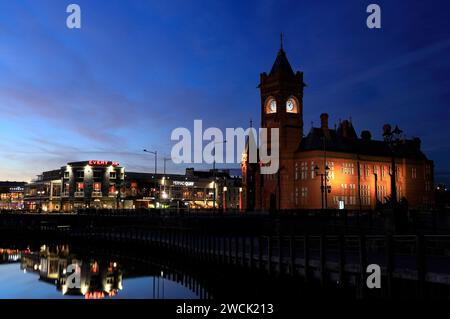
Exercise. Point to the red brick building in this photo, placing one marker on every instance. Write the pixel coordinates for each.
(358, 168)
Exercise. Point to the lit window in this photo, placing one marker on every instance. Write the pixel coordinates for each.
(348, 168)
(304, 173)
(413, 173)
(331, 170)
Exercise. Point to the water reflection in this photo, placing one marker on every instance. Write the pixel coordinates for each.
(99, 278)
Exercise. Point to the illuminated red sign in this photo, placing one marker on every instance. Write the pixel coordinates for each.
(103, 163)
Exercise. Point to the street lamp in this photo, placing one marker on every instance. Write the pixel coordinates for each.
(393, 140)
(165, 159)
(214, 172)
(324, 188)
(156, 157)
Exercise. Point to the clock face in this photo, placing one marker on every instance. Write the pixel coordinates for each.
(290, 105)
(273, 106)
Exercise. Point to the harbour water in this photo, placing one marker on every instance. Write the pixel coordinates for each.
(42, 272)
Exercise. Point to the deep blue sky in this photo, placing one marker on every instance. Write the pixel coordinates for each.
(138, 69)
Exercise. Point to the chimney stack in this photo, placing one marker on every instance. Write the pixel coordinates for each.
(387, 129)
(417, 142)
(324, 120)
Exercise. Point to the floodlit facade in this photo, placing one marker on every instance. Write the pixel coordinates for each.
(328, 167)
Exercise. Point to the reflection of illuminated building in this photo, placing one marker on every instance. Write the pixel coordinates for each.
(9, 255)
(97, 280)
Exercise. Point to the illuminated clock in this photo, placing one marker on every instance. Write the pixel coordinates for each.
(290, 105)
(273, 106)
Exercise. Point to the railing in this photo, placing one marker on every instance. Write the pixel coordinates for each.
(79, 194)
(97, 194)
(338, 259)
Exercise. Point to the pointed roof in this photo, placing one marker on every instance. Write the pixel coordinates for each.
(281, 65)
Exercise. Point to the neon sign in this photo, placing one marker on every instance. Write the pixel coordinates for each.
(103, 163)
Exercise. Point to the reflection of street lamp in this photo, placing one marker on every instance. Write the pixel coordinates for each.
(240, 198)
(393, 140)
(224, 198)
(324, 189)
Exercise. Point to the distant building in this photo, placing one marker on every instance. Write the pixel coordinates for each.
(87, 184)
(105, 185)
(194, 189)
(355, 170)
(11, 195)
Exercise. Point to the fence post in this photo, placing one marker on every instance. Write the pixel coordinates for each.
(341, 243)
(280, 253)
(230, 257)
(322, 258)
(292, 254)
(362, 263)
(389, 264)
(260, 261)
(269, 254)
(421, 265)
(244, 242)
(306, 256)
(236, 250)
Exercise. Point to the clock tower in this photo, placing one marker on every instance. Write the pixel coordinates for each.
(281, 107)
(282, 102)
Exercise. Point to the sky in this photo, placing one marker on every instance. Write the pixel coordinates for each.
(138, 69)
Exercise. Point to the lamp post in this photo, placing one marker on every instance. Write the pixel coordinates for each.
(156, 164)
(324, 188)
(214, 172)
(165, 195)
(165, 160)
(393, 140)
(376, 188)
(156, 157)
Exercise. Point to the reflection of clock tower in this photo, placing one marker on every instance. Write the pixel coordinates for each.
(282, 108)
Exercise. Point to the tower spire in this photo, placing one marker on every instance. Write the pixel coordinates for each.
(281, 41)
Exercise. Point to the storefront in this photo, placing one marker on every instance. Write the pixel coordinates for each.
(11, 195)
